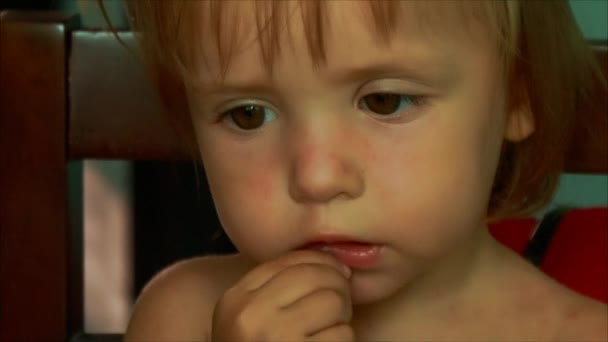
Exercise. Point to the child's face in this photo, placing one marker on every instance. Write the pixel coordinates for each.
(324, 158)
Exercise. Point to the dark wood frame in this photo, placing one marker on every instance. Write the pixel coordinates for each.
(50, 119)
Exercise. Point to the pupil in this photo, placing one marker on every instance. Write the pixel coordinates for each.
(250, 110)
(383, 103)
(248, 117)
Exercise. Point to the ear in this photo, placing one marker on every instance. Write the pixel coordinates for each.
(520, 119)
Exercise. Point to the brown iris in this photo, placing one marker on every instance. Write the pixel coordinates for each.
(247, 117)
(382, 103)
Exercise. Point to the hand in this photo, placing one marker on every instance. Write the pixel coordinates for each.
(301, 296)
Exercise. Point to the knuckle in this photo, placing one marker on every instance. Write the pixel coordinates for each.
(230, 302)
(236, 317)
(245, 323)
(229, 294)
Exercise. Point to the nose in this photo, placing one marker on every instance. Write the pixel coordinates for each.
(323, 167)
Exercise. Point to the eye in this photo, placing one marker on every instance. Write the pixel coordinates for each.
(250, 117)
(387, 103)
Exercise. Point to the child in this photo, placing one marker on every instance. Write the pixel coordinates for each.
(355, 152)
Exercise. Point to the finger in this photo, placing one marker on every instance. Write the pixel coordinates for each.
(263, 273)
(297, 281)
(318, 311)
(340, 332)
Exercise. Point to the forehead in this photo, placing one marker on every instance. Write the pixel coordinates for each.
(327, 33)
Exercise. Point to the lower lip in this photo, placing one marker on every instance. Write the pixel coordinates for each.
(352, 254)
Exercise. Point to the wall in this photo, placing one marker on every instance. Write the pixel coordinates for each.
(586, 190)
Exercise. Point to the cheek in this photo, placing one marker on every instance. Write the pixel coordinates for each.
(244, 190)
(238, 174)
(433, 188)
(372, 155)
(260, 186)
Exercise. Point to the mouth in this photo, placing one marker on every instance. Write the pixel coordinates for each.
(352, 253)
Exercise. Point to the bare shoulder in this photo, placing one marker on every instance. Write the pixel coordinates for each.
(580, 318)
(584, 320)
(553, 312)
(177, 304)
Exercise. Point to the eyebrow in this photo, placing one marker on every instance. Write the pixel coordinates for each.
(427, 75)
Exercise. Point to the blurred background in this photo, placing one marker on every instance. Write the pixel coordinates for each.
(142, 216)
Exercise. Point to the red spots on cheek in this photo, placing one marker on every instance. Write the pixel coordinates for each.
(372, 156)
(368, 151)
(261, 185)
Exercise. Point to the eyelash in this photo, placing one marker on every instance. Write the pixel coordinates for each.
(414, 100)
(226, 114)
(247, 106)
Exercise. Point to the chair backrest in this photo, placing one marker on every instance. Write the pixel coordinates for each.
(66, 95)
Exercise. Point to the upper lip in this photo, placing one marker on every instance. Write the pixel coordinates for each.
(331, 238)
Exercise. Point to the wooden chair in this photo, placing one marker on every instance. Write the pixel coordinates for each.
(65, 95)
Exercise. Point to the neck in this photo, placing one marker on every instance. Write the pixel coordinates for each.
(458, 282)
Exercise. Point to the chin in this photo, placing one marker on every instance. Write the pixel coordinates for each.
(368, 289)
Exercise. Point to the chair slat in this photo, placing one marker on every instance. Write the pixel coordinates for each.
(34, 244)
(115, 110)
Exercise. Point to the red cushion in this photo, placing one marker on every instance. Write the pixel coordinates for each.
(578, 254)
(514, 233)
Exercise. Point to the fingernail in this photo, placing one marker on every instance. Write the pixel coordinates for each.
(346, 271)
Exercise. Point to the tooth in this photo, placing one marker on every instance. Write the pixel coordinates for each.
(325, 248)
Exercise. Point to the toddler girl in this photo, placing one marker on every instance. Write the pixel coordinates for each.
(356, 151)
